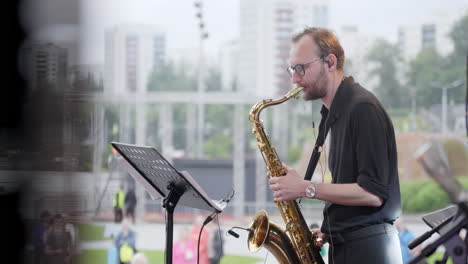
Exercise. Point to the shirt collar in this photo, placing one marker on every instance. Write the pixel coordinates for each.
(342, 97)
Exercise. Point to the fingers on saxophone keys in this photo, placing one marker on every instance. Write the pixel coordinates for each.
(273, 180)
(274, 187)
(277, 196)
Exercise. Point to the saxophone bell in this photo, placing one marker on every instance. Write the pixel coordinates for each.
(264, 233)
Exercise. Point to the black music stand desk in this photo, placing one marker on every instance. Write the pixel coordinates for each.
(158, 175)
(447, 222)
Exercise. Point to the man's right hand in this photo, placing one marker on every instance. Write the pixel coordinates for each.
(320, 238)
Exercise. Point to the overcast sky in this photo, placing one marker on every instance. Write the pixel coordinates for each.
(177, 19)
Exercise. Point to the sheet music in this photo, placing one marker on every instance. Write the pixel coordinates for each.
(217, 204)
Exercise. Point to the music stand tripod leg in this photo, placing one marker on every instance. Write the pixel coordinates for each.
(170, 203)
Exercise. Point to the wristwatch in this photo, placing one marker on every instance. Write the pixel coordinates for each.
(310, 190)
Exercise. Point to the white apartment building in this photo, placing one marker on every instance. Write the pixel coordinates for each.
(229, 65)
(131, 54)
(266, 28)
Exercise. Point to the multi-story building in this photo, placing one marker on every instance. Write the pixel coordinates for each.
(266, 28)
(431, 32)
(44, 64)
(228, 65)
(86, 71)
(131, 54)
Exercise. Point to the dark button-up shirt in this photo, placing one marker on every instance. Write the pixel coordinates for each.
(362, 151)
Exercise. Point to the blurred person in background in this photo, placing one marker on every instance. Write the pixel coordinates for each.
(130, 203)
(185, 248)
(215, 243)
(118, 203)
(195, 233)
(71, 229)
(125, 243)
(58, 242)
(38, 233)
(140, 258)
(406, 236)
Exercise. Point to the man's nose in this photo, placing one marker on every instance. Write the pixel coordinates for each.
(296, 78)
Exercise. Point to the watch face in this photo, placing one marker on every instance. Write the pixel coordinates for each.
(310, 191)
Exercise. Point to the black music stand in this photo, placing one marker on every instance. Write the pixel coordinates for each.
(449, 221)
(448, 224)
(176, 187)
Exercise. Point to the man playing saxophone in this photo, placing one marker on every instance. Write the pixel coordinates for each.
(363, 199)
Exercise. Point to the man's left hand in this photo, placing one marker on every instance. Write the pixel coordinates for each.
(288, 187)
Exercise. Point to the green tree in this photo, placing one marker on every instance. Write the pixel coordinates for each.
(168, 77)
(459, 36)
(425, 74)
(386, 56)
(429, 71)
(219, 146)
(218, 117)
(218, 131)
(218, 121)
(213, 80)
(180, 125)
(456, 61)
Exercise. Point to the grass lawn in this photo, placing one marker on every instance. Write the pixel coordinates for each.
(100, 257)
(89, 232)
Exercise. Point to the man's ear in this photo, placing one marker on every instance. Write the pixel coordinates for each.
(330, 60)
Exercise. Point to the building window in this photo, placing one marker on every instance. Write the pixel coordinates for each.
(428, 35)
(131, 67)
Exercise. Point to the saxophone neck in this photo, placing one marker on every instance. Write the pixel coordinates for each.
(257, 108)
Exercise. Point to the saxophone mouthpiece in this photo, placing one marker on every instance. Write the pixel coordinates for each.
(294, 93)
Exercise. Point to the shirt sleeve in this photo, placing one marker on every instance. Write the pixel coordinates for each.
(370, 143)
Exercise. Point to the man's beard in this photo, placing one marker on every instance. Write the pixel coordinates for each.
(318, 88)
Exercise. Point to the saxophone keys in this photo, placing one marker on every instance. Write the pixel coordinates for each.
(291, 227)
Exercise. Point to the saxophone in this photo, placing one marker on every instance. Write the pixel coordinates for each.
(301, 245)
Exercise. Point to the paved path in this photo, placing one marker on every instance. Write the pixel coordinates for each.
(151, 236)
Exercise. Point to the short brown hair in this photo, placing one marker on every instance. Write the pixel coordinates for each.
(326, 41)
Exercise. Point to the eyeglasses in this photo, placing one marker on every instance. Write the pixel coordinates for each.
(300, 68)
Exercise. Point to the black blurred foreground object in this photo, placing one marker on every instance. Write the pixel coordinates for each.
(12, 238)
(448, 222)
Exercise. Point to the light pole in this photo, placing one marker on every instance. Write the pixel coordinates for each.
(454, 84)
(200, 85)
